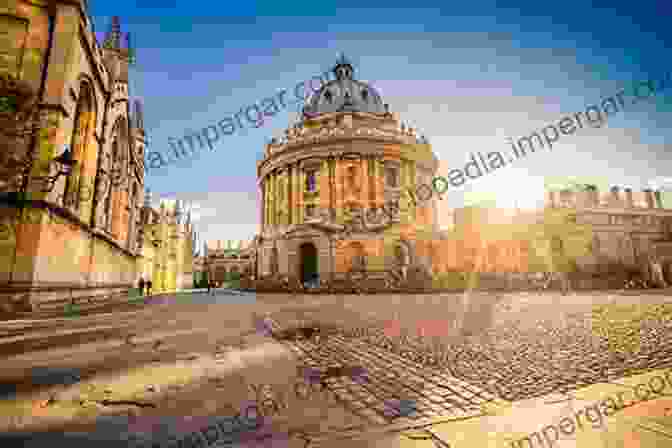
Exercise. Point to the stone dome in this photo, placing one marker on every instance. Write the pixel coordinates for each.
(344, 94)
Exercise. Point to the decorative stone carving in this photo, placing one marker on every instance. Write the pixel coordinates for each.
(102, 192)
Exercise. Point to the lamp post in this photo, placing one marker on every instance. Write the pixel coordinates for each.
(65, 162)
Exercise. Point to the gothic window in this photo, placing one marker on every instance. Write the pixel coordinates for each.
(117, 168)
(365, 95)
(107, 210)
(311, 181)
(82, 130)
(328, 96)
(131, 218)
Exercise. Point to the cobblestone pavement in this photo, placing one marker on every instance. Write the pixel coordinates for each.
(524, 349)
(517, 346)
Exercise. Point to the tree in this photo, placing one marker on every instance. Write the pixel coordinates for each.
(19, 125)
(559, 240)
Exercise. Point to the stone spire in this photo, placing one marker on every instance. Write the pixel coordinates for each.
(113, 36)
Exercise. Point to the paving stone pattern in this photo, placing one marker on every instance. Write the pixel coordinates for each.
(391, 383)
(526, 358)
(542, 350)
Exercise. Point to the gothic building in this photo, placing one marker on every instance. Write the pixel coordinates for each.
(630, 228)
(83, 239)
(167, 253)
(333, 203)
(226, 257)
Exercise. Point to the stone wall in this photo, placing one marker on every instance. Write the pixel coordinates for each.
(50, 260)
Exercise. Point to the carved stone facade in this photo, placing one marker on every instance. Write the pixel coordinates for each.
(335, 210)
(630, 228)
(224, 257)
(85, 243)
(333, 202)
(167, 255)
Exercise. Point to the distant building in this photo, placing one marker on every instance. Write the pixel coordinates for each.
(167, 256)
(224, 257)
(629, 227)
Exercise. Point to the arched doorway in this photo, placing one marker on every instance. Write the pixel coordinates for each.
(308, 257)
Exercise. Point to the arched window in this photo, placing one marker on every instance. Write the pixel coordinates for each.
(107, 210)
(131, 218)
(117, 169)
(83, 128)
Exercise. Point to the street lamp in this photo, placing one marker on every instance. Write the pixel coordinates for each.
(66, 163)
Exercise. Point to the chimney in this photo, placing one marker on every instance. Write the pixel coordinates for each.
(629, 203)
(650, 198)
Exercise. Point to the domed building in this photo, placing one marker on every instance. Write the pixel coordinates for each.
(334, 199)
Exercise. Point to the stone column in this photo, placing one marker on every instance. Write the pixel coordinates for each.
(267, 202)
(325, 184)
(290, 193)
(273, 198)
(262, 206)
(301, 180)
(339, 189)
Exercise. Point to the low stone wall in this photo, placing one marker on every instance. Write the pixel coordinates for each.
(26, 298)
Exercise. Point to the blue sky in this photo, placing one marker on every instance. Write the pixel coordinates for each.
(468, 75)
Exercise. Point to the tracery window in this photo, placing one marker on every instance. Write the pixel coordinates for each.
(118, 169)
(82, 131)
(107, 210)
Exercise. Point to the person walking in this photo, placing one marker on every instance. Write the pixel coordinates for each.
(141, 286)
(149, 287)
